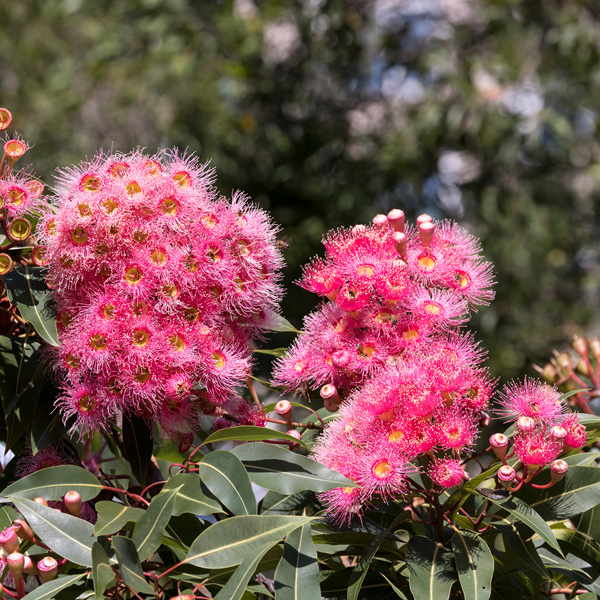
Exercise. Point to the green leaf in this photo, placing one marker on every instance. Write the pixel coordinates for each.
(224, 475)
(112, 516)
(589, 523)
(397, 591)
(27, 289)
(102, 573)
(577, 492)
(283, 471)
(49, 590)
(250, 433)
(275, 322)
(227, 543)
(236, 585)
(137, 446)
(524, 549)
(53, 483)
(149, 528)
(129, 565)
(189, 498)
(297, 575)
(475, 565)
(68, 536)
(431, 568)
(518, 509)
(277, 352)
(20, 369)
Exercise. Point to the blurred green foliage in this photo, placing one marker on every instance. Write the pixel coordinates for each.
(329, 111)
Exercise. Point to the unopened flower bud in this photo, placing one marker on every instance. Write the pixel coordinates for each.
(426, 231)
(396, 219)
(525, 424)
(499, 443)
(295, 434)
(284, 409)
(563, 360)
(72, 501)
(48, 568)
(29, 566)
(186, 442)
(558, 433)
(358, 229)
(506, 475)
(424, 218)
(15, 562)
(401, 243)
(41, 500)
(380, 221)
(549, 373)
(23, 530)
(582, 367)
(595, 348)
(329, 392)
(330, 406)
(9, 540)
(580, 345)
(558, 469)
(484, 420)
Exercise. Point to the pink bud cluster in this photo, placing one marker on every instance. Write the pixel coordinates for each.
(160, 286)
(388, 345)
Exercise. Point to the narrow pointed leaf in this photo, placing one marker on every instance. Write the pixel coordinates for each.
(236, 586)
(285, 472)
(189, 498)
(474, 564)
(250, 433)
(224, 475)
(397, 591)
(431, 568)
(228, 542)
(137, 444)
(297, 575)
(576, 493)
(112, 516)
(149, 528)
(275, 322)
(48, 591)
(518, 509)
(129, 565)
(68, 536)
(27, 289)
(102, 573)
(53, 483)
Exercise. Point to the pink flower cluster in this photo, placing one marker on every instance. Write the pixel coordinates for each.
(388, 344)
(160, 286)
(543, 430)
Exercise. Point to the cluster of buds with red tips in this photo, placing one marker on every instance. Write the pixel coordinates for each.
(388, 353)
(543, 432)
(20, 565)
(160, 286)
(577, 370)
(20, 201)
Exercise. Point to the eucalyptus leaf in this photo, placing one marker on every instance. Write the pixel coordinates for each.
(102, 572)
(224, 475)
(26, 288)
(474, 564)
(297, 575)
(576, 493)
(113, 515)
(68, 536)
(249, 433)
(235, 587)
(149, 528)
(52, 483)
(129, 565)
(431, 567)
(227, 543)
(49, 590)
(137, 445)
(286, 472)
(189, 498)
